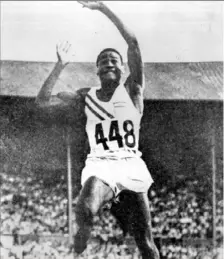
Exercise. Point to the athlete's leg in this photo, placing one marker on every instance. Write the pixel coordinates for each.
(93, 195)
(142, 229)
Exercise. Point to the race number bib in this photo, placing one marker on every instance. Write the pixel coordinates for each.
(127, 138)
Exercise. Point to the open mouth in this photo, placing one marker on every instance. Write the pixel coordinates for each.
(108, 72)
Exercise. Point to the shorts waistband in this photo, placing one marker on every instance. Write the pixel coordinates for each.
(127, 153)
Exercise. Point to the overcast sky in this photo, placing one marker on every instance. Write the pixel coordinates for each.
(167, 31)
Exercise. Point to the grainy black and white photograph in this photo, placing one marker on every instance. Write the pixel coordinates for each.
(111, 130)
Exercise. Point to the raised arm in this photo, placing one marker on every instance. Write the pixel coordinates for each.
(44, 97)
(135, 81)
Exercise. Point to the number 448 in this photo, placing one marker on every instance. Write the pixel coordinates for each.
(114, 134)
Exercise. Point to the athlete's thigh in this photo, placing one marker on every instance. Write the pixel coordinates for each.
(94, 194)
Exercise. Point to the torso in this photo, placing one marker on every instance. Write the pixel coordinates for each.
(112, 127)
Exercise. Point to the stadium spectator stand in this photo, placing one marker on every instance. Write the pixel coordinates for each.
(35, 217)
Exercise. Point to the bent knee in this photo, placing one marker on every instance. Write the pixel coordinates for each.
(90, 184)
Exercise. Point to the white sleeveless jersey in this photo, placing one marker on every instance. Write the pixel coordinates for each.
(112, 127)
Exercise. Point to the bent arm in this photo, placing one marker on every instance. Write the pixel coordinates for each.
(62, 100)
(44, 97)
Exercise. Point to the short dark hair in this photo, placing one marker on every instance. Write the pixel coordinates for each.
(106, 50)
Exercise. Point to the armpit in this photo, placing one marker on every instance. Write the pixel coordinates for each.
(135, 92)
(133, 87)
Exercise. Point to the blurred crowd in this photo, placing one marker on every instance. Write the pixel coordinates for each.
(181, 215)
(28, 207)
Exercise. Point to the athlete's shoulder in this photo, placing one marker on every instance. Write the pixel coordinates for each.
(83, 91)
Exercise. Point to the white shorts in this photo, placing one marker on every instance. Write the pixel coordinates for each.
(120, 174)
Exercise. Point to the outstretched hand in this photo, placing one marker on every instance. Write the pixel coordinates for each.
(93, 5)
(64, 53)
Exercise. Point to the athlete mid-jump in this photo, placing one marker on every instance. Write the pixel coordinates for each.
(113, 114)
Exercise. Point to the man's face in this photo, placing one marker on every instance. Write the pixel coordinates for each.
(110, 66)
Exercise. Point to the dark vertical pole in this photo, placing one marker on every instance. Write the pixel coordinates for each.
(68, 143)
(213, 188)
